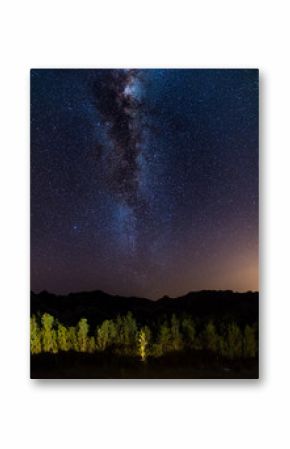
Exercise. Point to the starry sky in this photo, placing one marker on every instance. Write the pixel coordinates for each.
(144, 182)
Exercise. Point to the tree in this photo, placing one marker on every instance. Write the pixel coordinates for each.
(112, 332)
(119, 339)
(250, 343)
(106, 334)
(164, 339)
(47, 334)
(103, 334)
(129, 330)
(91, 344)
(176, 337)
(188, 329)
(234, 341)
(35, 336)
(210, 337)
(143, 343)
(222, 346)
(54, 341)
(82, 334)
(73, 339)
(62, 338)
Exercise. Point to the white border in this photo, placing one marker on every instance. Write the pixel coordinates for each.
(206, 33)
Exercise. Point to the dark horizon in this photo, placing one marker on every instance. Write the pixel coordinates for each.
(144, 181)
(193, 292)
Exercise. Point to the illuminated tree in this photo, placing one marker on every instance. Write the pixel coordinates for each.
(103, 335)
(250, 343)
(73, 339)
(35, 336)
(54, 341)
(123, 336)
(91, 344)
(142, 344)
(62, 338)
(112, 332)
(82, 334)
(47, 335)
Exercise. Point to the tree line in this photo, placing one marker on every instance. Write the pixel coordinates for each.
(124, 336)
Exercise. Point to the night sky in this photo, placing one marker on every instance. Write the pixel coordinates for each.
(144, 182)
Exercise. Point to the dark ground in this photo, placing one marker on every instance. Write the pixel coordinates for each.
(195, 365)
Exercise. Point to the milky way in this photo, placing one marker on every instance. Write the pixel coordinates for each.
(119, 108)
(144, 182)
(122, 113)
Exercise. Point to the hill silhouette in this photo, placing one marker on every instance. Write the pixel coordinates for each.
(97, 306)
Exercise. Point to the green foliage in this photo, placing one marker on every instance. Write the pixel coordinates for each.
(250, 343)
(147, 334)
(62, 338)
(222, 346)
(211, 338)
(234, 341)
(48, 336)
(91, 344)
(35, 336)
(54, 341)
(129, 329)
(188, 330)
(164, 338)
(73, 339)
(143, 343)
(103, 335)
(82, 334)
(122, 336)
(112, 332)
(176, 336)
(119, 330)
(156, 350)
